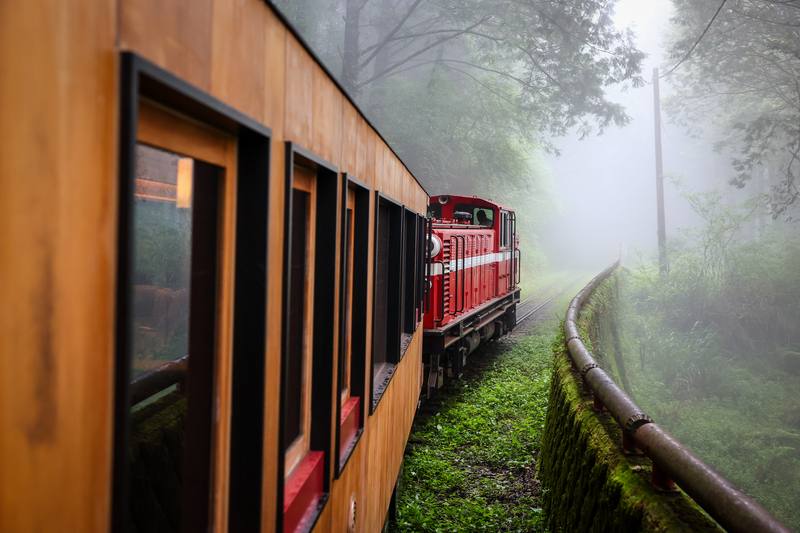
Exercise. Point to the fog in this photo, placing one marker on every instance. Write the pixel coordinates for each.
(605, 185)
(547, 106)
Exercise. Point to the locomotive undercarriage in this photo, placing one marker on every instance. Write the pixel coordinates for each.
(446, 350)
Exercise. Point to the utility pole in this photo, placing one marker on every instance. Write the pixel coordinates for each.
(662, 232)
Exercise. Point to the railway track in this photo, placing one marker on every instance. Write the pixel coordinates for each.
(527, 308)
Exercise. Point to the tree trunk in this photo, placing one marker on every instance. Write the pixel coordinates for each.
(350, 62)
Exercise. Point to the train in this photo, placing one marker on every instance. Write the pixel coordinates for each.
(224, 294)
(473, 279)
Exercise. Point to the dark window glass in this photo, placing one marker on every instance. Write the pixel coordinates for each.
(344, 363)
(379, 356)
(409, 272)
(482, 216)
(174, 280)
(293, 389)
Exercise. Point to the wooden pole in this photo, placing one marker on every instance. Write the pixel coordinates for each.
(662, 232)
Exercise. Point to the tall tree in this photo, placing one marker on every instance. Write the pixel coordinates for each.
(744, 75)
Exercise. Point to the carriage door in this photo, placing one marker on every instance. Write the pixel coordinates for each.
(179, 328)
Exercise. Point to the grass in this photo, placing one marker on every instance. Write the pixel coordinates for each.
(470, 464)
(737, 410)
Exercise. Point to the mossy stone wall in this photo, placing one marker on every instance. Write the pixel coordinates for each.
(589, 483)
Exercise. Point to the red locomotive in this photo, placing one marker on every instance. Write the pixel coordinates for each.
(473, 277)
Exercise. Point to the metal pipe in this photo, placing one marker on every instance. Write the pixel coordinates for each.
(731, 508)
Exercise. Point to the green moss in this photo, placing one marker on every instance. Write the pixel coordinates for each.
(590, 485)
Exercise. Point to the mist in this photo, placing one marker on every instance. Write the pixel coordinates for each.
(548, 107)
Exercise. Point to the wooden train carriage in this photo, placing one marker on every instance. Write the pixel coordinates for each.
(205, 322)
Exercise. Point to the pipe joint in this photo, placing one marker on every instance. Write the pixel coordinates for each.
(635, 421)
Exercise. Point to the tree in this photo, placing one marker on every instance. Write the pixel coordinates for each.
(745, 77)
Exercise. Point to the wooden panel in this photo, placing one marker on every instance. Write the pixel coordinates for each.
(274, 336)
(174, 35)
(350, 146)
(299, 101)
(222, 429)
(327, 117)
(239, 55)
(275, 74)
(275, 37)
(362, 142)
(159, 127)
(58, 164)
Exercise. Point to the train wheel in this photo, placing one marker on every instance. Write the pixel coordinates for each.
(431, 376)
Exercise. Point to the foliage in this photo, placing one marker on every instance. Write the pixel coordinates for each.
(467, 92)
(163, 244)
(713, 351)
(470, 466)
(745, 76)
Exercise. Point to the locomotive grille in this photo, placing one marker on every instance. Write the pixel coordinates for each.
(446, 246)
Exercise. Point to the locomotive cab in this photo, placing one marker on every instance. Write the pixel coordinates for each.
(473, 276)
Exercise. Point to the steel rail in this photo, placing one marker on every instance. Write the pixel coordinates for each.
(536, 308)
(672, 461)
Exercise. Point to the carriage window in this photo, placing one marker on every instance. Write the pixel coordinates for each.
(420, 276)
(174, 280)
(387, 298)
(308, 354)
(347, 295)
(409, 274)
(352, 338)
(298, 360)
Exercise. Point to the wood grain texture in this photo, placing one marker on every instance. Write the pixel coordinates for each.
(175, 35)
(349, 139)
(326, 117)
(299, 93)
(238, 55)
(58, 168)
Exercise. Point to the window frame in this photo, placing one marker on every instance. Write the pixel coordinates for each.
(328, 184)
(358, 314)
(394, 323)
(141, 79)
(408, 275)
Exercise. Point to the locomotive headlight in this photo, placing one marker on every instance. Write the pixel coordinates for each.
(434, 246)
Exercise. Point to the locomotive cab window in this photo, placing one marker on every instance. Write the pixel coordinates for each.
(308, 352)
(481, 216)
(505, 234)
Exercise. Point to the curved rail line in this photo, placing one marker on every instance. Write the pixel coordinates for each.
(672, 462)
(535, 309)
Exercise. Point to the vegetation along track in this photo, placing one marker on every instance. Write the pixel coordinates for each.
(470, 464)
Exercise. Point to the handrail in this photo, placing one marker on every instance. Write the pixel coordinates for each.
(158, 379)
(441, 290)
(672, 462)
